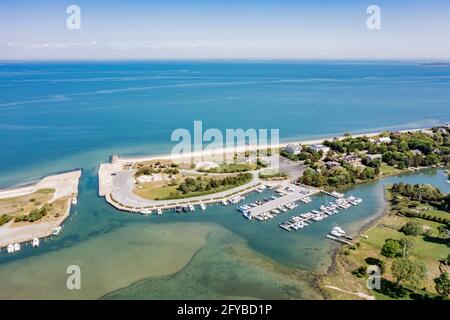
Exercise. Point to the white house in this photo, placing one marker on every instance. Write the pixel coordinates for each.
(427, 132)
(319, 147)
(372, 157)
(293, 149)
(384, 140)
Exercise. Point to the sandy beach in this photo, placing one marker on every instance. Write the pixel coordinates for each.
(110, 174)
(247, 148)
(106, 169)
(65, 186)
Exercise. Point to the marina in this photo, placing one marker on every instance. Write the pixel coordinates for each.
(303, 220)
(290, 194)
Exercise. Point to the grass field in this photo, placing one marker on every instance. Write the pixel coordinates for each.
(153, 192)
(24, 204)
(19, 207)
(428, 248)
(437, 213)
(167, 189)
(386, 169)
(233, 168)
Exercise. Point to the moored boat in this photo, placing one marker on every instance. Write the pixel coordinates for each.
(35, 242)
(10, 248)
(57, 231)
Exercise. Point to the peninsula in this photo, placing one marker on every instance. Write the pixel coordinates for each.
(35, 211)
(144, 184)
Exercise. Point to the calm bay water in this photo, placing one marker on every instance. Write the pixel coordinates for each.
(56, 117)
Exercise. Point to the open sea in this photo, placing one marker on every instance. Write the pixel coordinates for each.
(60, 116)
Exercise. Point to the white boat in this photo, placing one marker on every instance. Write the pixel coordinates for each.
(191, 208)
(74, 200)
(337, 231)
(202, 206)
(146, 211)
(10, 248)
(57, 231)
(159, 211)
(35, 243)
(225, 202)
(16, 246)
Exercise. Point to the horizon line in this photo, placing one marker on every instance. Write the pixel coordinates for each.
(406, 59)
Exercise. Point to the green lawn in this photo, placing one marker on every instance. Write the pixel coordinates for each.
(159, 190)
(426, 247)
(153, 193)
(437, 213)
(386, 169)
(233, 168)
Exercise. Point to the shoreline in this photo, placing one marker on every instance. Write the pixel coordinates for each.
(364, 228)
(108, 172)
(335, 251)
(195, 154)
(65, 186)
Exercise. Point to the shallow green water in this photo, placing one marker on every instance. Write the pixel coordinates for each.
(196, 253)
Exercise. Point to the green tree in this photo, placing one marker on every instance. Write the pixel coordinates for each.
(442, 231)
(409, 271)
(407, 243)
(443, 284)
(400, 269)
(412, 228)
(447, 202)
(417, 274)
(391, 248)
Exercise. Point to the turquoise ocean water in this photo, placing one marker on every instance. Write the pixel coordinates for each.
(60, 116)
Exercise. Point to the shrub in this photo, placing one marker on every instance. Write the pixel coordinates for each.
(391, 248)
(412, 228)
(360, 272)
(5, 219)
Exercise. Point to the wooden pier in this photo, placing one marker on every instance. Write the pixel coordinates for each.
(339, 239)
(292, 196)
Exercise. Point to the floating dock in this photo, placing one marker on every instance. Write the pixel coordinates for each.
(339, 239)
(295, 195)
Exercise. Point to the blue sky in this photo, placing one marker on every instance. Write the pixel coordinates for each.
(224, 29)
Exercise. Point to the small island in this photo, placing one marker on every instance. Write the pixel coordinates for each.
(36, 211)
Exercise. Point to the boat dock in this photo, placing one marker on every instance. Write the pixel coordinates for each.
(334, 194)
(292, 193)
(339, 239)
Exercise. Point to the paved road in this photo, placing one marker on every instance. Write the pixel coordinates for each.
(123, 184)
